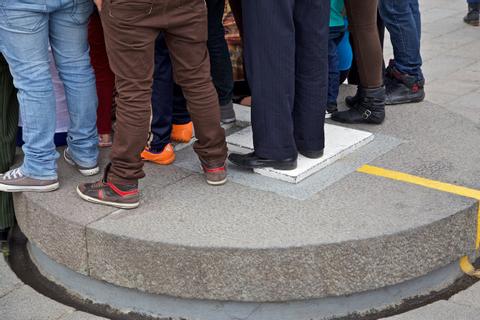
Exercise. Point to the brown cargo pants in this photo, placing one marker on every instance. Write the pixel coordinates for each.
(131, 28)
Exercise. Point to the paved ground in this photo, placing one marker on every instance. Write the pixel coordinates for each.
(452, 69)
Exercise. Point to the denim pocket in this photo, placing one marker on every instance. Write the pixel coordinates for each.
(21, 20)
(82, 9)
(129, 11)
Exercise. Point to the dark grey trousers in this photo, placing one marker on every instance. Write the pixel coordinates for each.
(8, 132)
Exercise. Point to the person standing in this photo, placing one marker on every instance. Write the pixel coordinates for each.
(286, 57)
(404, 79)
(26, 31)
(131, 29)
(472, 17)
(105, 80)
(8, 133)
(368, 105)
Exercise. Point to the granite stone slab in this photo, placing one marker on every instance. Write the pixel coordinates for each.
(78, 315)
(441, 310)
(340, 141)
(26, 304)
(56, 221)
(220, 247)
(468, 297)
(8, 279)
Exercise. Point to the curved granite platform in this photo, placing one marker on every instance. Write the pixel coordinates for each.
(336, 234)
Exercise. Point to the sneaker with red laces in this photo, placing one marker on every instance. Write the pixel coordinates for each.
(123, 196)
(215, 175)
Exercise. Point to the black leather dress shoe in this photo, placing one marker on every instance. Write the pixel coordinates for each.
(252, 161)
(311, 154)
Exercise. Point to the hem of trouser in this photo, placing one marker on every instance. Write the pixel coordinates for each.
(307, 146)
(117, 180)
(226, 102)
(157, 148)
(409, 71)
(81, 163)
(33, 176)
(273, 154)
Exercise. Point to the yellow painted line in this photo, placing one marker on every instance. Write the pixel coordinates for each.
(465, 263)
(432, 184)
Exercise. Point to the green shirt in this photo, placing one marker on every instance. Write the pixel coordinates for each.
(336, 13)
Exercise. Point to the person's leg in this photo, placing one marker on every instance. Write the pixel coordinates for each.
(182, 127)
(236, 6)
(8, 133)
(24, 37)
(130, 29)
(473, 16)
(221, 65)
(369, 104)
(311, 75)
(162, 97)
(270, 63)
(69, 42)
(186, 38)
(333, 71)
(105, 80)
(401, 22)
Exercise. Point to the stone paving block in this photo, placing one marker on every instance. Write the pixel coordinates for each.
(342, 142)
(196, 245)
(441, 310)
(47, 217)
(27, 304)
(469, 296)
(8, 279)
(78, 315)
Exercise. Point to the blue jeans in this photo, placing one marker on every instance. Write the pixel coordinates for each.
(26, 29)
(402, 20)
(335, 35)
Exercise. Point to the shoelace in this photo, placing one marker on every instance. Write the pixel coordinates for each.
(13, 174)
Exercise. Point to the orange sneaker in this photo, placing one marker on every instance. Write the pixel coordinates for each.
(182, 132)
(167, 156)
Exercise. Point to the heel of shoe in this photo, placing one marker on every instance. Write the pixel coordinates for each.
(286, 166)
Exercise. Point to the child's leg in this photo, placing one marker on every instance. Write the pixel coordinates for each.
(162, 98)
(333, 72)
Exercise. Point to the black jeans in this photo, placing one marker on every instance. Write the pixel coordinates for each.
(221, 71)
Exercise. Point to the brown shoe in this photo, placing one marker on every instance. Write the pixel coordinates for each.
(215, 175)
(15, 181)
(123, 196)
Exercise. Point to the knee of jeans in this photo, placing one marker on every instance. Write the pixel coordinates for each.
(33, 77)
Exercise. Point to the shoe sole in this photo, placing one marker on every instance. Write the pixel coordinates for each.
(278, 167)
(406, 101)
(161, 163)
(108, 203)
(47, 188)
(84, 172)
(217, 183)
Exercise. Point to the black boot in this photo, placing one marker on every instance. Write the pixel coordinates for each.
(369, 109)
(472, 17)
(402, 88)
(351, 101)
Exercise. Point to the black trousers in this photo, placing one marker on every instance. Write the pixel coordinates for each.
(286, 55)
(8, 134)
